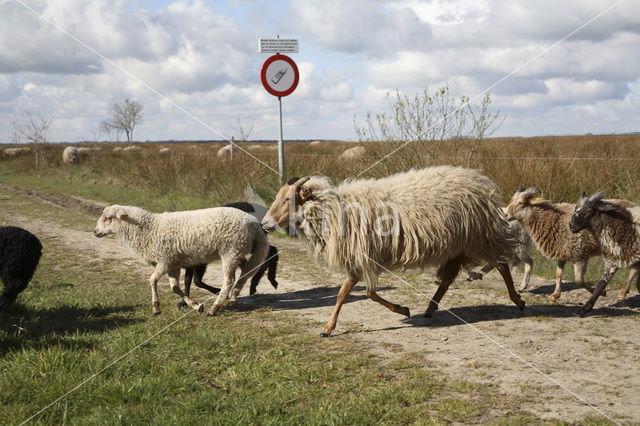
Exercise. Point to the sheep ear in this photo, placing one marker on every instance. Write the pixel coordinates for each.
(582, 195)
(121, 215)
(305, 193)
(531, 192)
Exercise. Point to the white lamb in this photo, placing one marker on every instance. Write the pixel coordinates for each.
(170, 241)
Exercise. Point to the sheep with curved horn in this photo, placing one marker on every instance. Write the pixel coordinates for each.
(444, 216)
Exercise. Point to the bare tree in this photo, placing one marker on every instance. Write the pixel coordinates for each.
(31, 129)
(243, 132)
(430, 123)
(125, 114)
(111, 131)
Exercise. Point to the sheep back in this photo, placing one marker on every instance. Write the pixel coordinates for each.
(619, 235)
(549, 229)
(20, 253)
(440, 213)
(187, 238)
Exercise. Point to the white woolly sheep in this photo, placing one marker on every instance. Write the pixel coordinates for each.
(175, 240)
(548, 225)
(616, 225)
(441, 216)
(15, 152)
(70, 155)
(196, 273)
(353, 153)
(521, 254)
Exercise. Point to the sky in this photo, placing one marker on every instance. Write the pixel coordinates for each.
(552, 67)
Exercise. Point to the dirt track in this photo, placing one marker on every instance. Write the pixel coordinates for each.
(563, 366)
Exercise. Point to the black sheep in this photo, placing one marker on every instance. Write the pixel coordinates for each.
(196, 273)
(20, 253)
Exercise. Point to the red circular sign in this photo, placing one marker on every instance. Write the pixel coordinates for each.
(279, 75)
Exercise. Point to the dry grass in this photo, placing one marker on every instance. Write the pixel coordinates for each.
(561, 166)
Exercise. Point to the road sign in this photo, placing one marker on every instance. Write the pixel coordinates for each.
(278, 45)
(279, 75)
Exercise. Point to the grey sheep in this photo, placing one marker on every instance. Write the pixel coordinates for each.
(616, 226)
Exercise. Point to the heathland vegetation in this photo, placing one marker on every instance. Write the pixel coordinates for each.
(80, 313)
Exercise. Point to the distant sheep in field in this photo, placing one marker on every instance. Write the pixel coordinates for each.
(165, 151)
(521, 254)
(117, 149)
(353, 153)
(15, 152)
(441, 216)
(86, 151)
(616, 226)
(132, 148)
(20, 253)
(175, 240)
(70, 155)
(196, 273)
(225, 151)
(548, 225)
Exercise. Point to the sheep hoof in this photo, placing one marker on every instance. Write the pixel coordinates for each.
(323, 334)
(404, 311)
(211, 314)
(553, 298)
(252, 291)
(182, 304)
(522, 305)
(199, 308)
(157, 312)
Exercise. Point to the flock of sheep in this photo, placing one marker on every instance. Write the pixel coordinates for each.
(443, 217)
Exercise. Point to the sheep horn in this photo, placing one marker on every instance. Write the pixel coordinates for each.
(300, 182)
(597, 196)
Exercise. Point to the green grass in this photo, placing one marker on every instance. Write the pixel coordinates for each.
(242, 366)
(79, 314)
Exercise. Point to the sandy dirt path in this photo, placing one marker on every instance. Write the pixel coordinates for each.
(564, 366)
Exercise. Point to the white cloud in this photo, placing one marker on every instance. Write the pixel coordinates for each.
(203, 57)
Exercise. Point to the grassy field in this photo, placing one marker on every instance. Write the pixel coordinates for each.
(78, 319)
(78, 315)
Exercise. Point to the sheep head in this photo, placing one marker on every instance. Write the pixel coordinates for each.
(587, 211)
(520, 205)
(289, 199)
(111, 220)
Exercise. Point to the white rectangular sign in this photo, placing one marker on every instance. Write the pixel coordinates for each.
(278, 45)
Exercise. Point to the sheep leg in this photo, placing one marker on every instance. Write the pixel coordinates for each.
(372, 284)
(174, 277)
(559, 271)
(580, 269)
(609, 272)
(197, 279)
(273, 266)
(346, 288)
(158, 272)
(633, 275)
(229, 270)
(446, 274)
(256, 279)
(188, 276)
(503, 268)
(528, 267)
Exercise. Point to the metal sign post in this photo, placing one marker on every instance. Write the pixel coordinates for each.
(279, 76)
